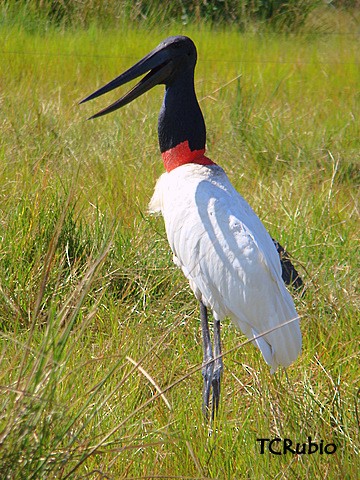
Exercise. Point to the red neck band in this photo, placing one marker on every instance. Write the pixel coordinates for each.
(181, 154)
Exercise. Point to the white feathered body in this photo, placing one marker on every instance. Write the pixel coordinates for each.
(228, 257)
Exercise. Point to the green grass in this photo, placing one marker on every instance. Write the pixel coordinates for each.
(87, 285)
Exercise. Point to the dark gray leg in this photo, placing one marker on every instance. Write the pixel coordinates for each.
(218, 367)
(212, 369)
(208, 365)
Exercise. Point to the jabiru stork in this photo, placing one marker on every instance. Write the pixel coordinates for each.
(228, 257)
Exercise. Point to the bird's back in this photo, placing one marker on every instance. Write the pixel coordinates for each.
(228, 257)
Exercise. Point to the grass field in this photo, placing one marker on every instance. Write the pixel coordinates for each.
(96, 321)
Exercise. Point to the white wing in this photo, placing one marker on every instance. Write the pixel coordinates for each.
(228, 257)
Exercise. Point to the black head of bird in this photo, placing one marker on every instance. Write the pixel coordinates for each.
(171, 63)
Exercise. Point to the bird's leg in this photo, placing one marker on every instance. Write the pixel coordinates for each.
(218, 367)
(208, 364)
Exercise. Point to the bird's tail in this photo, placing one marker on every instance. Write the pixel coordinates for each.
(279, 338)
(281, 346)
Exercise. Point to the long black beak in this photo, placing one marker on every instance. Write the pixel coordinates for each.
(159, 66)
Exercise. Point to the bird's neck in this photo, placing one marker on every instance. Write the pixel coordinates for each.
(182, 133)
(182, 154)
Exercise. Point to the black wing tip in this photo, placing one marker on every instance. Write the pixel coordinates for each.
(290, 275)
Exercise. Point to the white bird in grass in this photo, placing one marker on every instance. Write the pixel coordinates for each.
(218, 241)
